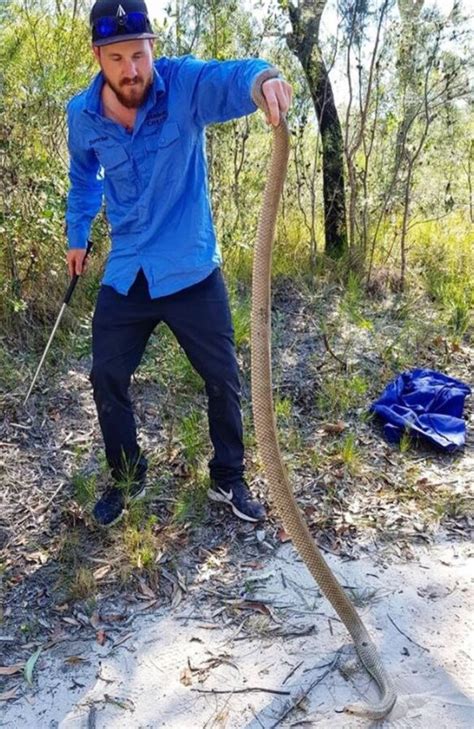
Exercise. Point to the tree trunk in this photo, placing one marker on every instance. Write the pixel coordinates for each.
(409, 76)
(303, 42)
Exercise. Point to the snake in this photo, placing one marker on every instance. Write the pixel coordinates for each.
(281, 493)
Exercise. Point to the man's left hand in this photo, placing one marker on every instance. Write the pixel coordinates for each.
(278, 95)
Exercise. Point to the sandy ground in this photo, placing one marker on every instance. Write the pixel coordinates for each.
(163, 671)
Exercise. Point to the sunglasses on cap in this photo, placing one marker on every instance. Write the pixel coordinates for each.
(110, 25)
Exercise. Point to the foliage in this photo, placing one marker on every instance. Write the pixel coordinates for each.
(408, 149)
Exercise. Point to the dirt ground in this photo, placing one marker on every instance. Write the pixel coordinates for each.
(183, 667)
(225, 628)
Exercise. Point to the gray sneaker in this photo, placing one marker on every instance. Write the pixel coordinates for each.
(237, 495)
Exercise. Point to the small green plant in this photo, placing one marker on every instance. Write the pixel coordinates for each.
(241, 320)
(249, 431)
(340, 394)
(283, 410)
(191, 501)
(460, 314)
(139, 540)
(405, 441)
(192, 436)
(350, 453)
(84, 488)
(82, 585)
(166, 363)
(352, 301)
(69, 548)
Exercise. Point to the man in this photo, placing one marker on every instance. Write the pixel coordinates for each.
(136, 137)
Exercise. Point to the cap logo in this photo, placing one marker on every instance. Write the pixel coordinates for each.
(120, 12)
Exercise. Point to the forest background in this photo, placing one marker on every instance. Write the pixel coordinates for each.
(381, 168)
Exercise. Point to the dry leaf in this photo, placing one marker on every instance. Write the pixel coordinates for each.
(101, 572)
(186, 677)
(146, 605)
(334, 428)
(74, 660)
(123, 639)
(11, 670)
(258, 606)
(177, 596)
(101, 637)
(62, 608)
(7, 695)
(181, 581)
(282, 535)
(113, 617)
(146, 589)
(94, 620)
(38, 556)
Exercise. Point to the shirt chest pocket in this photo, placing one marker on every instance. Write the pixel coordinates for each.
(118, 170)
(164, 150)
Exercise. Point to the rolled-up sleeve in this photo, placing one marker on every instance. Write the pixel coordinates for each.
(221, 90)
(86, 186)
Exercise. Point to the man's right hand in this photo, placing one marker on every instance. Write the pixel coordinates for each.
(75, 261)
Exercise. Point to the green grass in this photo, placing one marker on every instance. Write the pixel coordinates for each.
(84, 487)
(352, 302)
(12, 373)
(444, 256)
(405, 441)
(350, 453)
(138, 539)
(166, 364)
(192, 435)
(283, 410)
(82, 584)
(240, 308)
(340, 394)
(191, 501)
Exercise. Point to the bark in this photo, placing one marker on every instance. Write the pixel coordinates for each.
(409, 75)
(304, 43)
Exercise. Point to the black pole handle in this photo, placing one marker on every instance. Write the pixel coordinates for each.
(75, 278)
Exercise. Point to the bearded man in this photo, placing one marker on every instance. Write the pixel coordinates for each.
(137, 139)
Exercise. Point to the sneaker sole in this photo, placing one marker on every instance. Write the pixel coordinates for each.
(137, 497)
(216, 496)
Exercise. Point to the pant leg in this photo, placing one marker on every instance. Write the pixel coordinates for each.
(121, 328)
(200, 319)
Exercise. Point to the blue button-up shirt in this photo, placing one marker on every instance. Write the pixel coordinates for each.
(154, 179)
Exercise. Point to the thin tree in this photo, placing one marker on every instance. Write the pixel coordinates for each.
(303, 41)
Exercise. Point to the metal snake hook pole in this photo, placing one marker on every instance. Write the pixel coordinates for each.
(66, 301)
(267, 439)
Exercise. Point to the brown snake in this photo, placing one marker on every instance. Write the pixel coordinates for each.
(267, 439)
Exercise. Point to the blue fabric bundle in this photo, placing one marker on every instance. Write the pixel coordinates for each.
(425, 403)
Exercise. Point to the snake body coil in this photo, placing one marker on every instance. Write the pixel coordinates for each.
(267, 440)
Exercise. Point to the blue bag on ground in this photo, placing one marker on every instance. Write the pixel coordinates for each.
(425, 403)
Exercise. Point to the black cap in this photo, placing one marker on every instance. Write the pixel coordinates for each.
(119, 9)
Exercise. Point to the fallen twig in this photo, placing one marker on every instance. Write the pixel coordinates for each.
(297, 701)
(293, 670)
(407, 636)
(242, 691)
(333, 354)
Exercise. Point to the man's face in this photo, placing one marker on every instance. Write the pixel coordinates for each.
(128, 69)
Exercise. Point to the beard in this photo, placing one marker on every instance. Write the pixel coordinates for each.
(131, 92)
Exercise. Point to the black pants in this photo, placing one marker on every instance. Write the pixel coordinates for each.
(199, 317)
